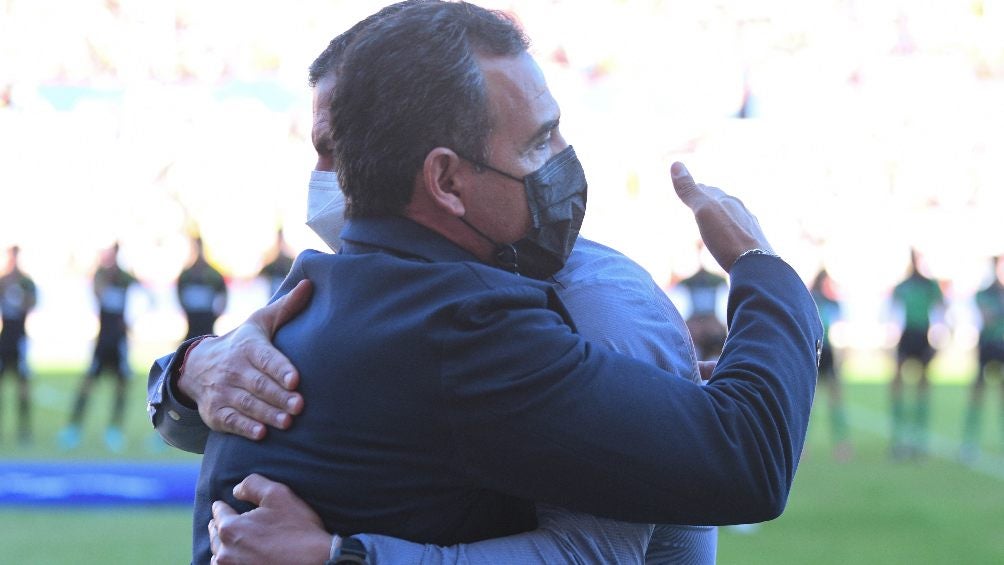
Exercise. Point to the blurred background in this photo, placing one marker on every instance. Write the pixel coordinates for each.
(855, 130)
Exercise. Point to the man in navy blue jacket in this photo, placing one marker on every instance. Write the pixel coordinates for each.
(445, 392)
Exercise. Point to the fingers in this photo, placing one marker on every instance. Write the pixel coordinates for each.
(231, 421)
(257, 339)
(214, 538)
(268, 375)
(265, 358)
(234, 394)
(221, 513)
(269, 378)
(240, 381)
(281, 528)
(237, 411)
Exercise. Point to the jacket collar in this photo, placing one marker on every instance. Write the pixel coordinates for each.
(400, 236)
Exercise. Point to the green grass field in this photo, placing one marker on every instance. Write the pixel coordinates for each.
(868, 510)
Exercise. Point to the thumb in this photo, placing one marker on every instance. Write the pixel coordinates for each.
(685, 186)
(253, 489)
(293, 303)
(284, 309)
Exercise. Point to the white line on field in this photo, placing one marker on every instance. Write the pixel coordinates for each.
(941, 446)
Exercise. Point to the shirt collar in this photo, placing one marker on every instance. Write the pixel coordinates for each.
(400, 236)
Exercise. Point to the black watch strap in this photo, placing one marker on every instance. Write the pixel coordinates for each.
(352, 551)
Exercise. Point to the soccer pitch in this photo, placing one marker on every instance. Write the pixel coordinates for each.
(870, 509)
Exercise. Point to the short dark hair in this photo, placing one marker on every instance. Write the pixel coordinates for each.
(411, 83)
(328, 59)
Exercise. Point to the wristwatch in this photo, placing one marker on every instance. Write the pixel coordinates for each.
(347, 550)
(754, 251)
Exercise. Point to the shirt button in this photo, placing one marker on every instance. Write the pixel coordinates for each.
(174, 415)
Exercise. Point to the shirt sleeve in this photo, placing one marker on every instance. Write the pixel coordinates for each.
(628, 313)
(531, 401)
(179, 425)
(562, 537)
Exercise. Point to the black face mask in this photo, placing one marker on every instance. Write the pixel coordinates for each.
(556, 196)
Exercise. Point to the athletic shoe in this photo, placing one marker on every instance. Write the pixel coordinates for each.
(69, 437)
(114, 440)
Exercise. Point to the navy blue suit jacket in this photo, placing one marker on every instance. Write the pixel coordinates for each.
(442, 395)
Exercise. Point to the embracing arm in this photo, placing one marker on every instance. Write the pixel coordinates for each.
(220, 372)
(562, 536)
(727, 451)
(284, 529)
(234, 383)
(666, 450)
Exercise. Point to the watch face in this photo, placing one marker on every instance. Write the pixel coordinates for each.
(352, 551)
(351, 543)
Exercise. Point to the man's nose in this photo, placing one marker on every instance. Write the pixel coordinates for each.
(325, 162)
(559, 142)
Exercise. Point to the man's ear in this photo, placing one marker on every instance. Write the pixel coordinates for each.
(442, 183)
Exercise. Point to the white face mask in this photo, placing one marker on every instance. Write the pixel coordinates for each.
(326, 208)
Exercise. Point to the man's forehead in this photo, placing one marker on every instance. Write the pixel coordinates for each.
(517, 91)
(517, 75)
(323, 91)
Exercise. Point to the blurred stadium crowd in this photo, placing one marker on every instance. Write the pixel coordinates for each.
(855, 130)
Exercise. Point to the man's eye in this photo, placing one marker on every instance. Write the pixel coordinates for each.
(543, 142)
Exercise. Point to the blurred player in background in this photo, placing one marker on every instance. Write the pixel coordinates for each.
(17, 298)
(275, 271)
(824, 294)
(111, 286)
(704, 292)
(990, 302)
(919, 299)
(202, 293)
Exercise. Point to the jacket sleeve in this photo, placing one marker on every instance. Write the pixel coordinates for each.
(179, 425)
(531, 401)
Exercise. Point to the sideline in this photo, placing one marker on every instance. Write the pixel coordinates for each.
(78, 483)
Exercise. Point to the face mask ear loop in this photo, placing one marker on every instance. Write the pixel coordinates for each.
(505, 253)
(481, 167)
(508, 258)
